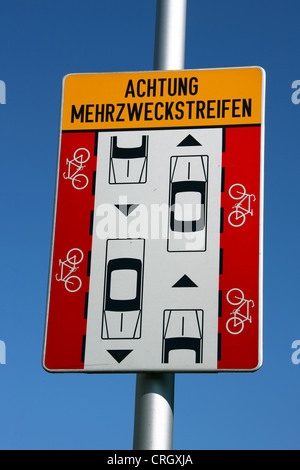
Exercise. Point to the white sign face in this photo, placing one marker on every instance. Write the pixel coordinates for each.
(156, 260)
(153, 295)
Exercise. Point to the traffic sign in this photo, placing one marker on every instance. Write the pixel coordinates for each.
(156, 260)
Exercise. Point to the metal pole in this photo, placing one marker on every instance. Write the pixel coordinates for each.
(169, 47)
(154, 400)
(154, 404)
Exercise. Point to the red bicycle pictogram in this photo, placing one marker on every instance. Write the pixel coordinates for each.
(68, 267)
(238, 216)
(235, 324)
(79, 180)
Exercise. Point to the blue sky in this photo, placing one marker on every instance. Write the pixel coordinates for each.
(40, 42)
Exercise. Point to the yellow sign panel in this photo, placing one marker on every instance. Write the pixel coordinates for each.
(131, 100)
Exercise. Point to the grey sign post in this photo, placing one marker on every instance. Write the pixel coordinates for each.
(154, 401)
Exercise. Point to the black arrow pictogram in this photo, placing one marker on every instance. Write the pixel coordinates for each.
(185, 281)
(189, 141)
(126, 209)
(119, 354)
